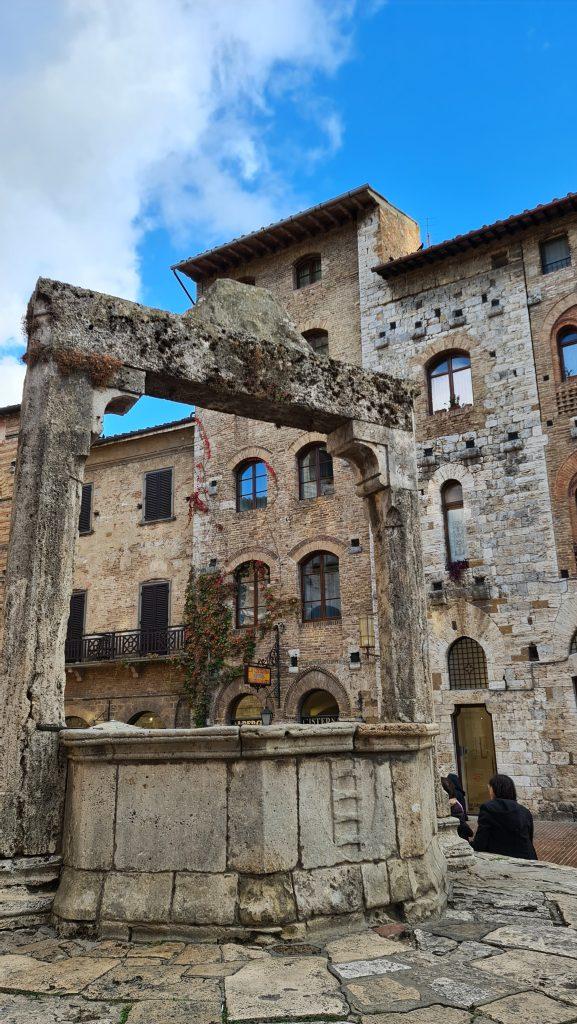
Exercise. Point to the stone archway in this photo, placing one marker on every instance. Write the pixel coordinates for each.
(315, 678)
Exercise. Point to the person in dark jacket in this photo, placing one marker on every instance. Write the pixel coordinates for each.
(459, 791)
(457, 809)
(504, 826)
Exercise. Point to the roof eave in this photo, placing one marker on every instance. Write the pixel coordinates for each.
(295, 229)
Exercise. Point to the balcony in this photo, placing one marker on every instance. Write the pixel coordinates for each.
(125, 645)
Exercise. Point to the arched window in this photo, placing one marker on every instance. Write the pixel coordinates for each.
(147, 720)
(250, 580)
(318, 706)
(453, 515)
(74, 722)
(450, 385)
(251, 486)
(307, 271)
(467, 665)
(573, 644)
(318, 341)
(320, 589)
(245, 711)
(315, 472)
(567, 345)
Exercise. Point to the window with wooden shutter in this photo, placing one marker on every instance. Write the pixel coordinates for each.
(158, 495)
(85, 517)
(75, 628)
(154, 601)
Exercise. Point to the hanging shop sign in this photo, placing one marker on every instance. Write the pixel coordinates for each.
(257, 675)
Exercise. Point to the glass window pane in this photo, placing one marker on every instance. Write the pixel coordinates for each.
(456, 535)
(569, 358)
(440, 393)
(459, 362)
(463, 386)
(440, 368)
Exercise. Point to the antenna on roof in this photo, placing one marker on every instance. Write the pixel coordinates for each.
(427, 233)
(182, 285)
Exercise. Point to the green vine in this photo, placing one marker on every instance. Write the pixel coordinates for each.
(214, 651)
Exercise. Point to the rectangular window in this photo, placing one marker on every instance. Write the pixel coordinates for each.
(75, 627)
(154, 604)
(85, 517)
(555, 254)
(158, 495)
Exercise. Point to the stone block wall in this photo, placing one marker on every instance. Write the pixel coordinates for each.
(511, 598)
(227, 831)
(115, 558)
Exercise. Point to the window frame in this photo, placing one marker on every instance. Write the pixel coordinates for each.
(459, 641)
(145, 475)
(314, 273)
(323, 617)
(567, 329)
(317, 332)
(447, 357)
(240, 469)
(447, 507)
(315, 446)
(550, 268)
(257, 582)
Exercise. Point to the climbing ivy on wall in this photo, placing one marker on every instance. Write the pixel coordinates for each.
(215, 652)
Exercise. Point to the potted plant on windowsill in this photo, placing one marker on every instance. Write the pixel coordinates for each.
(457, 569)
(454, 402)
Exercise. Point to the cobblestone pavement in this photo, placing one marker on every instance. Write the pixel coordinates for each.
(505, 952)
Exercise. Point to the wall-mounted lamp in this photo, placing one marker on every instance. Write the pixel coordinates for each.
(367, 635)
(266, 716)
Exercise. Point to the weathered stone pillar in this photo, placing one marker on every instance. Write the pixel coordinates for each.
(385, 462)
(60, 412)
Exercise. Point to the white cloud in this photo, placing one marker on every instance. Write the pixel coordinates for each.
(117, 112)
(11, 377)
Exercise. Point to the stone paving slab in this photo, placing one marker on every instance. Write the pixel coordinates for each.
(153, 980)
(173, 1011)
(64, 977)
(529, 1008)
(283, 990)
(436, 1014)
(23, 1010)
(567, 906)
(425, 985)
(363, 945)
(561, 941)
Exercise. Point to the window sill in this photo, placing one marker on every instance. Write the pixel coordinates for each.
(322, 622)
(150, 522)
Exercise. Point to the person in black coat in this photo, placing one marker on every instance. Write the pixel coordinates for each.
(459, 791)
(457, 809)
(504, 826)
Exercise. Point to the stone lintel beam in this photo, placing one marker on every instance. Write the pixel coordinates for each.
(385, 463)
(235, 351)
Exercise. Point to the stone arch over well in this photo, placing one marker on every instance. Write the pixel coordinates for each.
(316, 678)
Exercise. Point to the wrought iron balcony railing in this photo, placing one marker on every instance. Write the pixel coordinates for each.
(125, 644)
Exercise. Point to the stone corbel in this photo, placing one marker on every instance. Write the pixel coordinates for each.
(130, 386)
(381, 456)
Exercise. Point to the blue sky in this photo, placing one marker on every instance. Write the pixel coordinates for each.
(460, 113)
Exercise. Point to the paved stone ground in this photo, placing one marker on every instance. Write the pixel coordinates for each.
(505, 952)
(557, 841)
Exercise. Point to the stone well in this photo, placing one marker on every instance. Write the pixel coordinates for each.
(225, 831)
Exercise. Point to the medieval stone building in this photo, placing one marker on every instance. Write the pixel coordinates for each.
(486, 326)
(133, 555)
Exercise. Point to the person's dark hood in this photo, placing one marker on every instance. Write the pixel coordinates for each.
(457, 784)
(508, 814)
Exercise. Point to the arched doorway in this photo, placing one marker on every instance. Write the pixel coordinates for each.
(74, 722)
(318, 706)
(245, 710)
(147, 720)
